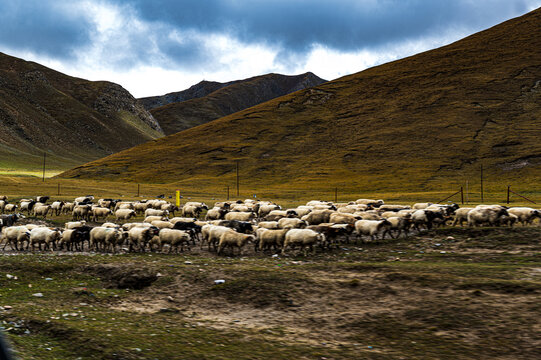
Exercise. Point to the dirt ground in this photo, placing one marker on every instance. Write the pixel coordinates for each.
(450, 293)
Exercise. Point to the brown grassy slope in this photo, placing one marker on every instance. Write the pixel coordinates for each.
(234, 97)
(416, 123)
(73, 120)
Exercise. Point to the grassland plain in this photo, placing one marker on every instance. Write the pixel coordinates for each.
(414, 124)
(445, 294)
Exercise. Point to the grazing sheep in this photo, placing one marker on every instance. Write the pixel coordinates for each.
(264, 210)
(212, 233)
(141, 207)
(343, 218)
(425, 218)
(216, 213)
(10, 208)
(170, 208)
(107, 203)
(141, 236)
(162, 224)
(174, 238)
(44, 235)
(486, 215)
(57, 206)
(154, 212)
(100, 212)
(421, 206)
(525, 215)
(124, 205)
(15, 235)
(276, 215)
(240, 216)
(150, 219)
(27, 205)
(124, 214)
(41, 210)
(42, 199)
(2, 205)
(372, 228)
(102, 238)
(461, 216)
(399, 225)
(129, 226)
(270, 237)
(389, 207)
(68, 207)
(83, 200)
(268, 224)
(74, 224)
(9, 220)
(302, 238)
(110, 225)
(301, 211)
(508, 220)
(3, 197)
(232, 239)
(81, 212)
(318, 216)
(291, 223)
(370, 202)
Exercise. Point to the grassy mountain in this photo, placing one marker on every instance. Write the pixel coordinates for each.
(423, 122)
(195, 91)
(72, 120)
(208, 101)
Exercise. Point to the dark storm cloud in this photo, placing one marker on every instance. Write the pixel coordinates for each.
(344, 25)
(42, 27)
(62, 29)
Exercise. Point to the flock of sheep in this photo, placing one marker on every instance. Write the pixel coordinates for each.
(233, 224)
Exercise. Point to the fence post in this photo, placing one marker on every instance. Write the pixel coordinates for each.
(335, 194)
(228, 192)
(58, 189)
(462, 195)
(508, 191)
(138, 190)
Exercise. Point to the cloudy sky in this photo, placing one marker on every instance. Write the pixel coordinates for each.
(152, 47)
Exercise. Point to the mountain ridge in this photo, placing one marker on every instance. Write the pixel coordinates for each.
(214, 100)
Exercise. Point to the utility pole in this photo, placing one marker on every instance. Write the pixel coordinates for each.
(237, 178)
(335, 194)
(227, 192)
(44, 155)
(482, 195)
(508, 191)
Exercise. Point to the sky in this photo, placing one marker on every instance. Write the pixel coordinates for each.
(152, 47)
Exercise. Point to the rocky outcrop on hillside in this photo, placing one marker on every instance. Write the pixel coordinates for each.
(115, 98)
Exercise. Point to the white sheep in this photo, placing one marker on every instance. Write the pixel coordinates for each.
(154, 212)
(291, 223)
(486, 215)
(174, 238)
(240, 216)
(15, 235)
(302, 238)
(100, 212)
(124, 214)
(41, 210)
(372, 228)
(525, 215)
(268, 225)
(44, 235)
(74, 224)
(271, 237)
(461, 216)
(162, 224)
(232, 239)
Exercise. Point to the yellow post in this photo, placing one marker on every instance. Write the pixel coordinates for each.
(178, 197)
